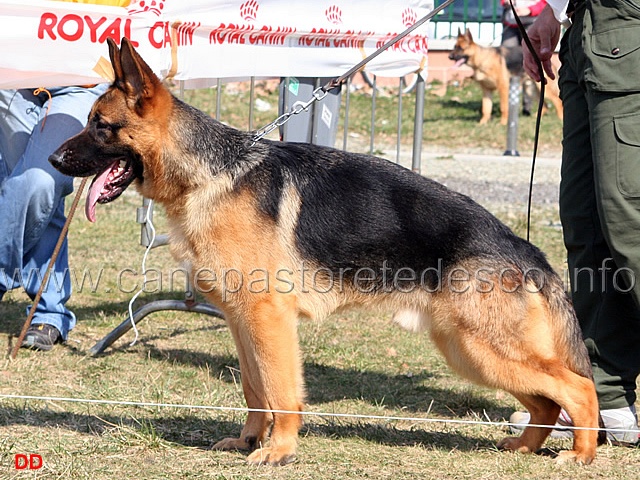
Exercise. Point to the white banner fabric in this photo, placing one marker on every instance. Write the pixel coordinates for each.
(54, 42)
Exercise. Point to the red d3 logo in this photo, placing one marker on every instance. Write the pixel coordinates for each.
(32, 461)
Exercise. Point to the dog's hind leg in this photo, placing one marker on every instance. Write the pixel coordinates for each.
(543, 411)
(555, 373)
(530, 347)
(564, 389)
(271, 368)
(582, 407)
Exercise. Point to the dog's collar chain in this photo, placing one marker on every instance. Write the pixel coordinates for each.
(297, 108)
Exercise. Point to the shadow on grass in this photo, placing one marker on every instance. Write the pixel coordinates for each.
(12, 317)
(455, 110)
(201, 432)
(326, 384)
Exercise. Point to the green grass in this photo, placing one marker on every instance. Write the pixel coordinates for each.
(356, 363)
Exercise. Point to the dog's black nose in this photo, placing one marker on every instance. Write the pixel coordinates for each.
(55, 159)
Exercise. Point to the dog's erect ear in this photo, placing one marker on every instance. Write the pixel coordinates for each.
(133, 75)
(467, 35)
(114, 55)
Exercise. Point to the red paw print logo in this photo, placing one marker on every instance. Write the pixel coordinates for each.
(409, 17)
(249, 10)
(334, 14)
(143, 6)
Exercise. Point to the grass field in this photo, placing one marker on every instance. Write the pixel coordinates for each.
(355, 363)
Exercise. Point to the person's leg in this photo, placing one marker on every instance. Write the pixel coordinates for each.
(608, 317)
(51, 308)
(614, 336)
(19, 115)
(32, 194)
(512, 51)
(599, 224)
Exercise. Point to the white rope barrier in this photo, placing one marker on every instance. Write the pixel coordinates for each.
(303, 413)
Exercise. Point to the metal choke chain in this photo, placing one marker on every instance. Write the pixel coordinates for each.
(298, 107)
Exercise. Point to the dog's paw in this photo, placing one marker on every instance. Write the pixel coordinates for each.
(272, 456)
(513, 444)
(233, 444)
(571, 456)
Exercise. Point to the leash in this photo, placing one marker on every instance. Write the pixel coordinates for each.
(321, 92)
(45, 280)
(536, 136)
(298, 107)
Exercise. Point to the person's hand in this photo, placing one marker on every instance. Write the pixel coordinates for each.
(544, 34)
(523, 11)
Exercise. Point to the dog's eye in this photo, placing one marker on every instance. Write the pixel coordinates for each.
(101, 125)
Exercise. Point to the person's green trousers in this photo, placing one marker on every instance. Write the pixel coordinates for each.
(600, 188)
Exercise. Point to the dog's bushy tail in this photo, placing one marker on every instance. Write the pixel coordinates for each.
(561, 311)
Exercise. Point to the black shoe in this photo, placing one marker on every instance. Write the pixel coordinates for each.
(41, 337)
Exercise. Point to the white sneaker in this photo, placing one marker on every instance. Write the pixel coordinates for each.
(621, 424)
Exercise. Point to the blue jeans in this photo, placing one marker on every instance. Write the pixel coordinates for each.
(32, 194)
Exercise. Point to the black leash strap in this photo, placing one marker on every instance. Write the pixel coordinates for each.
(536, 136)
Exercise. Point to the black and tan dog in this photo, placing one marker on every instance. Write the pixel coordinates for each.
(277, 231)
(490, 70)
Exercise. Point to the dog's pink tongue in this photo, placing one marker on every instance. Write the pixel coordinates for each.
(459, 63)
(94, 193)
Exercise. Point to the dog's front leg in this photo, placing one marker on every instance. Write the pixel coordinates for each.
(265, 332)
(487, 106)
(503, 93)
(255, 430)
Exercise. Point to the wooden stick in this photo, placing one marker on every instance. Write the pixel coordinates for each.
(45, 280)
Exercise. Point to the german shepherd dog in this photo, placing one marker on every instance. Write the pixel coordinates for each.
(492, 72)
(331, 229)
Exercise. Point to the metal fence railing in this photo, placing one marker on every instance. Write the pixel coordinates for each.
(482, 17)
(470, 11)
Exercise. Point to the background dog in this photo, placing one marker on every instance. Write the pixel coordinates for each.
(277, 231)
(492, 68)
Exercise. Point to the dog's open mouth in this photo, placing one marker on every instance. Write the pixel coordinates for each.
(108, 185)
(459, 62)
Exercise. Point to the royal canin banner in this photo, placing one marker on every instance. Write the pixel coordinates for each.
(56, 42)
